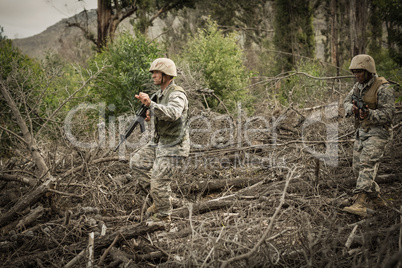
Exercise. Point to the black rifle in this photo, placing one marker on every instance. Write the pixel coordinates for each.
(140, 116)
(359, 103)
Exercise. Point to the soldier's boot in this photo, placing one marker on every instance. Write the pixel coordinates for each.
(164, 221)
(359, 206)
(176, 202)
(379, 202)
(150, 211)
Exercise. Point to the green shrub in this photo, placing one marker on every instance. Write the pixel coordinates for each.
(220, 60)
(301, 89)
(129, 58)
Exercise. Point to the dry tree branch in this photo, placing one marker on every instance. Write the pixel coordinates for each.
(26, 201)
(15, 135)
(103, 257)
(24, 180)
(289, 74)
(75, 259)
(83, 85)
(91, 252)
(28, 137)
(259, 243)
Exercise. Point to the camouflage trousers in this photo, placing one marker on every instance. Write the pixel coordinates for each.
(367, 152)
(156, 176)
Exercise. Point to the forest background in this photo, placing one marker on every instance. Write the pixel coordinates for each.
(243, 63)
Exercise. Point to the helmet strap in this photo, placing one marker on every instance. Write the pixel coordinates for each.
(367, 76)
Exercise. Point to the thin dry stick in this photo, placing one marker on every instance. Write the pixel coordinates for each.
(400, 232)
(91, 256)
(213, 248)
(15, 135)
(351, 237)
(75, 259)
(190, 214)
(102, 259)
(84, 84)
(271, 223)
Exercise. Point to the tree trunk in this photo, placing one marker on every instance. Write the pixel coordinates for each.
(104, 19)
(28, 138)
(359, 11)
(334, 33)
(25, 202)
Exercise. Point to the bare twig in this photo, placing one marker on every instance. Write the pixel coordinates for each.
(259, 243)
(104, 255)
(91, 255)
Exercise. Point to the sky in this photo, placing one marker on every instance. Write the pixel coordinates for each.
(25, 18)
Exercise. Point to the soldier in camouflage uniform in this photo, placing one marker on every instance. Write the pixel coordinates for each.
(373, 130)
(170, 143)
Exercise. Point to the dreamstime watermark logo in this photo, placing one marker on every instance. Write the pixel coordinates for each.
(235, 134)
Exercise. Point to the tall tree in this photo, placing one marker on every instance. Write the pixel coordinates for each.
(360, 11)
(294, 36)
(391, 13)
(112, 12)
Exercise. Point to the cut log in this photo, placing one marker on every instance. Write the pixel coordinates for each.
(31, 217)
(214, 185)
(127, 232)
(120, 257)
(26, 201)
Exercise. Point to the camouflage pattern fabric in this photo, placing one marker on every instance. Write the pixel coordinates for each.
(174, 107)
(370, 142)
(157, 160)
(157, 176)
(367, 152)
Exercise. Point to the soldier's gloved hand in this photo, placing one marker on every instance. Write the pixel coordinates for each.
(364, 115)
(355, 109)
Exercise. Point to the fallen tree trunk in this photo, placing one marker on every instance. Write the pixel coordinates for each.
(26, 201)
(127, 233)
(200, 208)
(19, 178)
(214, 185)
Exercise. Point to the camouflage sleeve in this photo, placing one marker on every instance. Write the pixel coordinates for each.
(385, 106)
(173, 110)
(347, 103)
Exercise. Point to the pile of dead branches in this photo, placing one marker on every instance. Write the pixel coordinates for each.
(256, 191)
(272, 199)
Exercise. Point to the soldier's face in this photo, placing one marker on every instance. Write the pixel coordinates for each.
(157, 77)
(360, 75)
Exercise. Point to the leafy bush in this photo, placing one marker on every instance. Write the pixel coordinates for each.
(302, 88)
(220, 60)
(129, 58)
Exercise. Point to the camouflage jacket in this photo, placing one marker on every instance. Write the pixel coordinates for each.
(170, 111)
(380, 119)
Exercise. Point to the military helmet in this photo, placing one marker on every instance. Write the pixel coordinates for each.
(364, 62)
(165, 66)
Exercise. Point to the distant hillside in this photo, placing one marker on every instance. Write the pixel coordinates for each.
(70, 43)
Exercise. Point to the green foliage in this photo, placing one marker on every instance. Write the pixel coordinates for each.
(391, 13)
(304, 90)
(220, 60)
(62, 79)
(388, 68)
(21, 76)
(129, 59)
